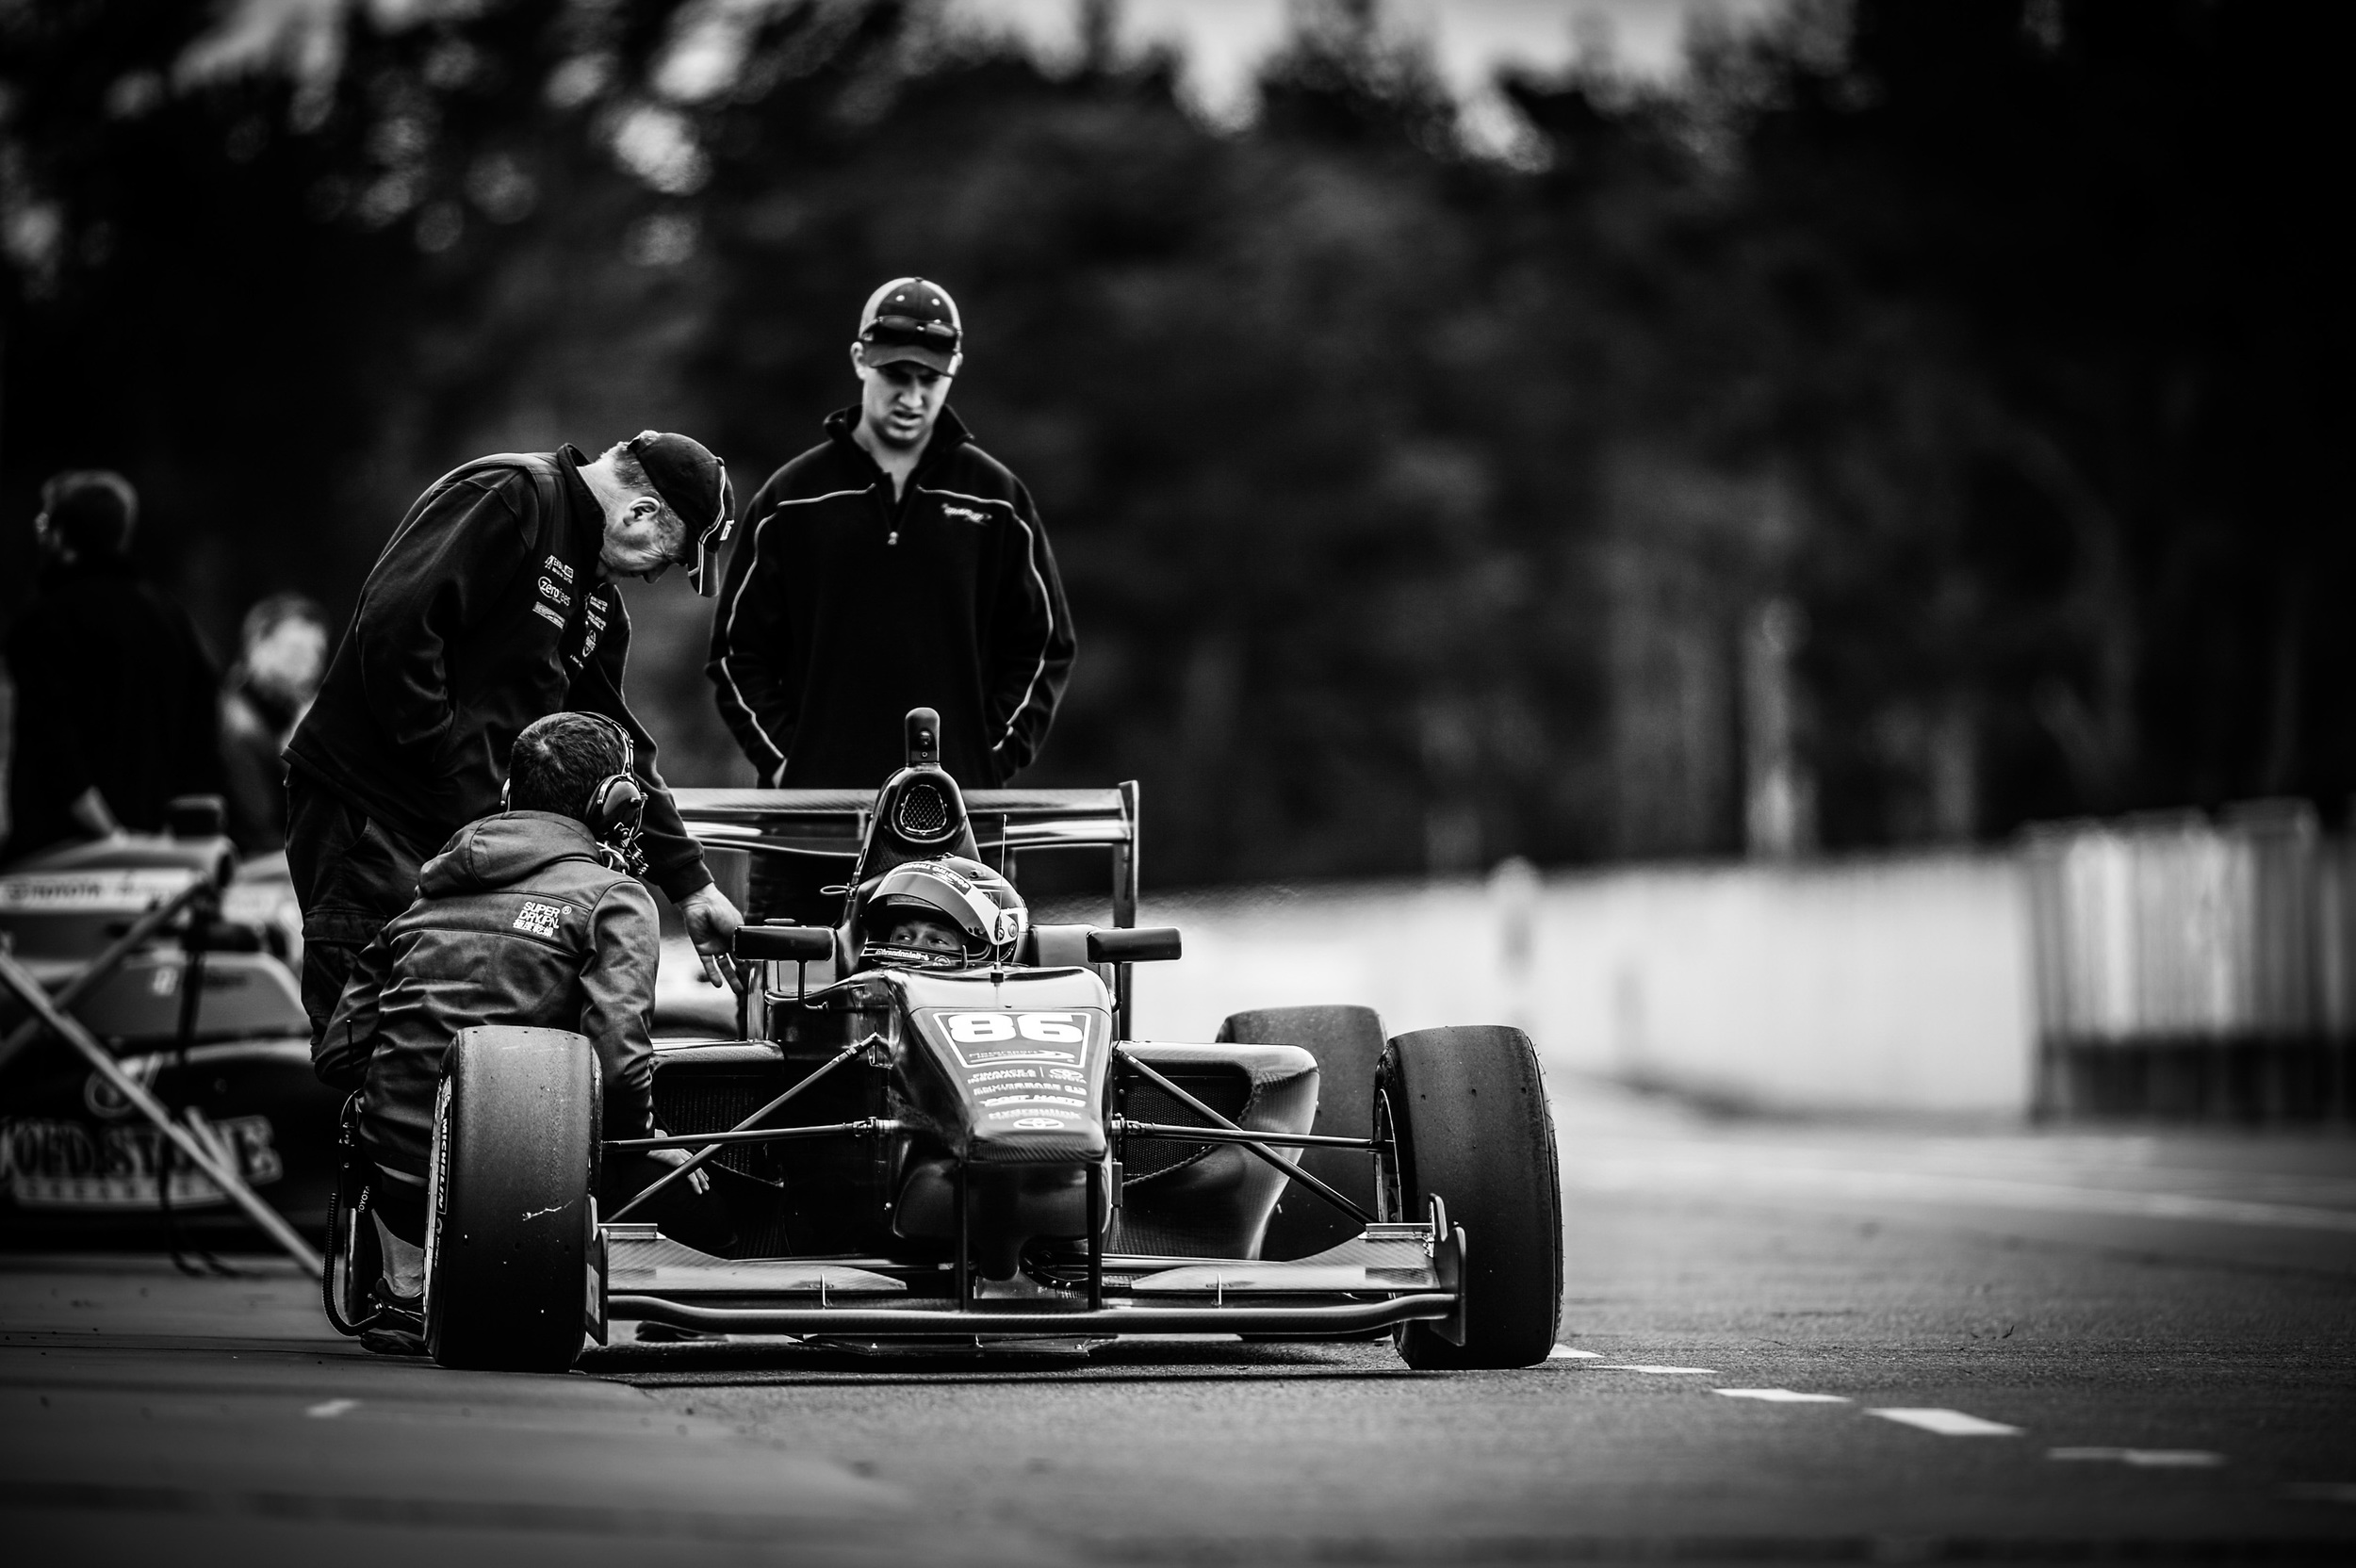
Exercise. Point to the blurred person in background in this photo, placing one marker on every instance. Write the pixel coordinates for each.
(894, 566)
(282, 655)
(493, 604)
(115, 705)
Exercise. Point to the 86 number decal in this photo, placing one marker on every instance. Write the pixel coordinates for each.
(1040, 1028)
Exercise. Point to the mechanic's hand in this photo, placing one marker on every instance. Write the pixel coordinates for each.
(697, 1182)
(711, 923)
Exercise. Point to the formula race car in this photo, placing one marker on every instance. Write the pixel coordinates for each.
(935, 1129)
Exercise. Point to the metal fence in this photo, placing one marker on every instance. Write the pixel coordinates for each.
(2195, 968)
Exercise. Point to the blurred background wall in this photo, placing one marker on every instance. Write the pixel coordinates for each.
(1874, 985)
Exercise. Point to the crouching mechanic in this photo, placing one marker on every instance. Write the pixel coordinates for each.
(530, 917)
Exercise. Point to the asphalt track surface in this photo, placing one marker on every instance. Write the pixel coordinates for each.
(1781, 1344)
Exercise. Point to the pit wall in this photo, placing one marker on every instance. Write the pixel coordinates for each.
(1885, 985)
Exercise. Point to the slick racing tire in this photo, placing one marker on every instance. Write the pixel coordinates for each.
(516, 1137)
(1462, 1113)
(1347, 1044)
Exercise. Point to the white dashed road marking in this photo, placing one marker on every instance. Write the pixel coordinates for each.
(2158, 1459)
(1564, 1352)
(1665, 1371)
(1782, 1395)
(1947, 1422)
(328, 1408)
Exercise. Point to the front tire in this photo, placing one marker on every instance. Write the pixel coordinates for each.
(516, 1140)
(1462, 1113)
(1347, 1043)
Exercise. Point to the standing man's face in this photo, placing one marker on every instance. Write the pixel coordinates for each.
(900, 401)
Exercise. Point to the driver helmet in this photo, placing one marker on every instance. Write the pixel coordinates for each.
(945, 912)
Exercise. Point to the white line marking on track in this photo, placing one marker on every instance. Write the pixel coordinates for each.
(329, 1409)
(2155, 1458)
(1782, 1395)
(1564, 1352)
(1946, 1423)
(1662, 1371)
(1654, 1172)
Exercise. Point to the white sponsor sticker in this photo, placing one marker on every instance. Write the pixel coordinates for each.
(47, 1163)
(90, 893)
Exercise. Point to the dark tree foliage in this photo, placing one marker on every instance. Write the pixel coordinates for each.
(1418, 507)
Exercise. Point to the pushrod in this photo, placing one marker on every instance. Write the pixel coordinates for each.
(1221, 1135)
(1250, 1141)
(759, 1135)
(696, 1162)
(273, 1224)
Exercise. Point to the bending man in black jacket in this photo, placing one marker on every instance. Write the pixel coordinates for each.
(894, 566)
(493, 605)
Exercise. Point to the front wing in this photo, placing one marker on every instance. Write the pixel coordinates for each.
(1387, 1275)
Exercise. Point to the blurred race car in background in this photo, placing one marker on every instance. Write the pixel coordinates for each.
(115, 930)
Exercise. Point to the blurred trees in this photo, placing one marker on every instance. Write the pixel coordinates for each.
(1928, 411)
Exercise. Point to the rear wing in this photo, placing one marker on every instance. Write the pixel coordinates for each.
(834, 823)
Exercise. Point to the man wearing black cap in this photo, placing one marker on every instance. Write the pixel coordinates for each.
(894, 565)
(493, 605)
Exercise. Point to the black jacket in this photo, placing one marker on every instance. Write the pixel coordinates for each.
(517, 922)
(842, 609)
(114, 688)
(485, 613)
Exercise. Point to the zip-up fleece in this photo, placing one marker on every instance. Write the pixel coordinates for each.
(842, 608)
(486, 612)
(517, 922)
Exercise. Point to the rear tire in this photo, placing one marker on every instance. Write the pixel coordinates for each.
(1347, 1044)
(1466, 1118)
(516, 1140)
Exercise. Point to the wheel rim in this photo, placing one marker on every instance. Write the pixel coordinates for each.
(1389, 1200)
(438, 1189)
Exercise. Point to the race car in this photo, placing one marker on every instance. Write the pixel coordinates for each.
(181, 962)
(934, 1128)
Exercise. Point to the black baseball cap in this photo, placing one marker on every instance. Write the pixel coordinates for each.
(693, 484)
(909, 319)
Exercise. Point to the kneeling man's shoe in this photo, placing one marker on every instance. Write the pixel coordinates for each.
(399, 1327)
(383, 1341)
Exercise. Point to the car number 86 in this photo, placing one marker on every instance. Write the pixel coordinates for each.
(1046, 1028)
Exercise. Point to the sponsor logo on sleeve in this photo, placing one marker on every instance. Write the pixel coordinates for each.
(553, 564)
(549, 615)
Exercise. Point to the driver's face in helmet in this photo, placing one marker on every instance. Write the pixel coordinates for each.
(926, 932)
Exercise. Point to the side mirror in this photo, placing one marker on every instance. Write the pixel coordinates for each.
(791, 944)
(1143, 945)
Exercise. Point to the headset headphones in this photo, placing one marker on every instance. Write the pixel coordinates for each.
(615, 811)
